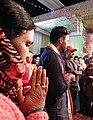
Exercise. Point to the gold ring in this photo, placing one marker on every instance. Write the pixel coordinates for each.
(19, 88)
(43, 87)
(28, 86)
(37, 84)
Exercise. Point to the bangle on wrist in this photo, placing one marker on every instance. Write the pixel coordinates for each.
(35, 110)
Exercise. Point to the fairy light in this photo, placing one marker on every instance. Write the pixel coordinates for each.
(36, 5)
(52, 11)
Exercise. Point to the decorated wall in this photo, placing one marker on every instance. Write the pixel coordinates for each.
(76, 41)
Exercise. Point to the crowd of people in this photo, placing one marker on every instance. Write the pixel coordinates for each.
(50, 86)
(82, 87)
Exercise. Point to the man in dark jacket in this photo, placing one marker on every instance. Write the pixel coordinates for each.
(52, 61)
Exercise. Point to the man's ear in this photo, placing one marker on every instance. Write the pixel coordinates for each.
(61, 40)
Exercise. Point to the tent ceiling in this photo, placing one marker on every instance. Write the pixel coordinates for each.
(61, 21)
(49, 13)
(52, 4)
(39, 7)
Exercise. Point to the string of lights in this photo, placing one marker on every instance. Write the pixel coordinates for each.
(36, 6)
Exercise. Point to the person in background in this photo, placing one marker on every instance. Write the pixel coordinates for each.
(52, 61)
(29, 67)
(86, 59)
(91, 59)
(81, 64)
(36, 59)
(71, 67)
(29, 58)
(18, 28)
(87, 92)
(76, 59)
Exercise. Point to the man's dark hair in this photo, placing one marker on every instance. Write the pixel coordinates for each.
(57, 33)
(14, 19)
(75, 57)
(91, 58)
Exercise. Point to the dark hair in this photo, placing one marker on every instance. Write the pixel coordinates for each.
(57, 32)
(89, 70)
(14, 19)
(75, 57)
(91, 58)
(34, 58)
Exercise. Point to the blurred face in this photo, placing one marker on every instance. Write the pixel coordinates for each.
(76, 60)
(91, 61)
(63, 43)
(69, 54)
(37, 60)
(29, 58)
(80, 60)
(23, 42)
